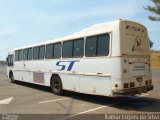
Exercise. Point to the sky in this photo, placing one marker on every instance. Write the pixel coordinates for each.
(25, 22)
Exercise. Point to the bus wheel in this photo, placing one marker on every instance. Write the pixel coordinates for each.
(56, 85)
(12, 78)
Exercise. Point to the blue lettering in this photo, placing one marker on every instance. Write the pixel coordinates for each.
(63, 67)
(71, 65)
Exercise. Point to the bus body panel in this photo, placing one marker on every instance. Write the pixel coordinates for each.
(127, 62)
(79, 79)
(134, 39)
(135, 48)
(136, 72)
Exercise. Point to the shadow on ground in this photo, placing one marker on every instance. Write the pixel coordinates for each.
(142, 104)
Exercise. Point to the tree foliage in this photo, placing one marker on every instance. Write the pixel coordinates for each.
(151, 43)
(154, 9)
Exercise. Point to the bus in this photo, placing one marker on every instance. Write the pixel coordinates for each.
(107, 59)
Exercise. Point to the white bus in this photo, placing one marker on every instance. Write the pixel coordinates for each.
(107, 59)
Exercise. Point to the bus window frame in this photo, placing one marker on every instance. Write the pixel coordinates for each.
(109, 45)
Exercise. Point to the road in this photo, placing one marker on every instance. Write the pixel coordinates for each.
(25, 101)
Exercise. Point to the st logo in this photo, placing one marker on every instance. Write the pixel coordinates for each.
(66, 65)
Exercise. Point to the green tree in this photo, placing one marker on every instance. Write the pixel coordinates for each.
(154, 9)
(151, 43)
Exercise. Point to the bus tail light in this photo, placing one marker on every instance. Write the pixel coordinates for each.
(125, 71)
(125, 66)
(126, 85)
(150, 82)
(125, 61)
(132, 85)
(146, 82)
(149, 64)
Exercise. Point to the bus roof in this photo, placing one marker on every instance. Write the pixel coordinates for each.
(92, 30)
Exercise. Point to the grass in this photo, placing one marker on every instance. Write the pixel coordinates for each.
(155, 60)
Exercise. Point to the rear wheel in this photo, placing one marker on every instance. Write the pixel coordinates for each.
(56, 85)
(12, 78)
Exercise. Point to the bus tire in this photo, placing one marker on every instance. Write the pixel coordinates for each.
(56, 85)
(11, 76)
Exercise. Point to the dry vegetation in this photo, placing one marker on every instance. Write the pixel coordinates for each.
(3, 63)
(155, 60)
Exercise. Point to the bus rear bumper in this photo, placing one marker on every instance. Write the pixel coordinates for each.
(133, 91)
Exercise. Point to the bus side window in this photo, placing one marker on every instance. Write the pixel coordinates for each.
(30, 53)
(35, 53)
(25, 52)
(78, 48)
(49, 51)
(10, 60)
(91, 46)
(20, 55)
(57, 51)
(97, 45)
(41, 52)
(17, 55)
(67, 49)
(103, 45)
